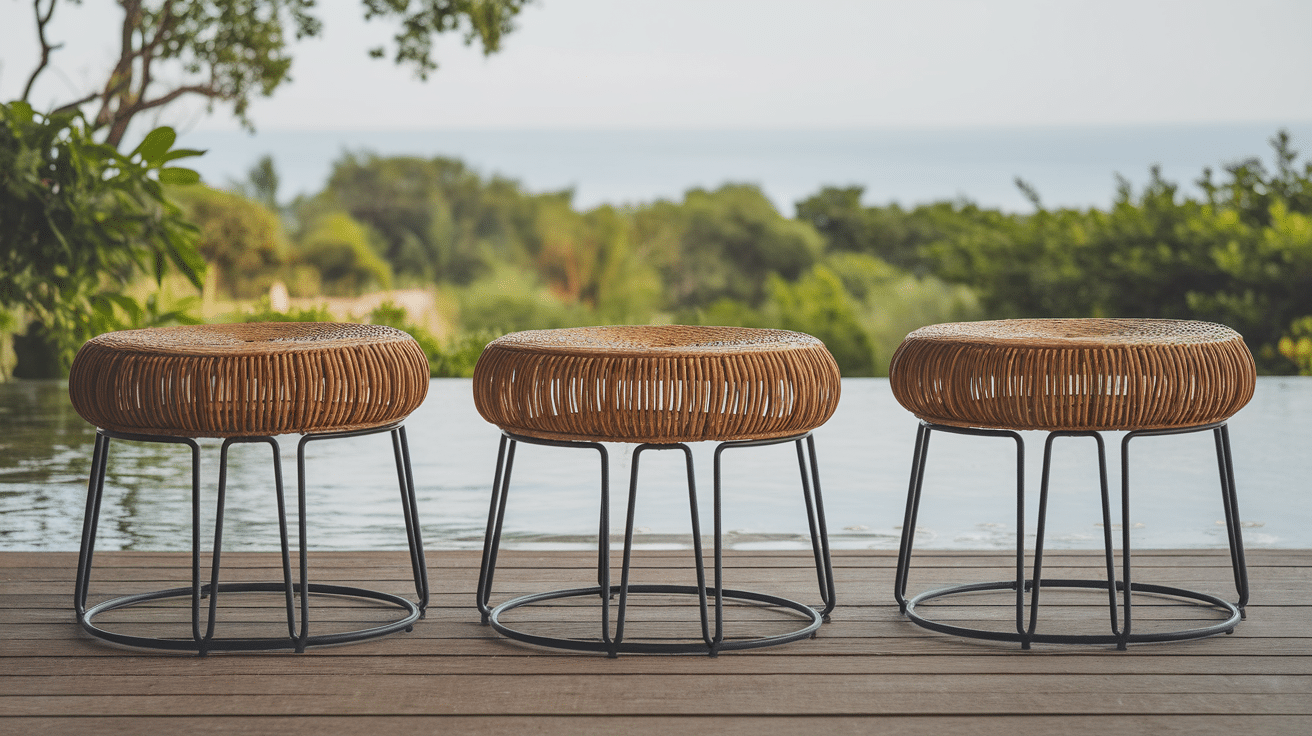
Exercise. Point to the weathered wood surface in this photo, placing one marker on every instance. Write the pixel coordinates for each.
(868, 671)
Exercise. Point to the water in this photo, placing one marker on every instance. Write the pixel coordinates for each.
(1069, 166)
(864, 453)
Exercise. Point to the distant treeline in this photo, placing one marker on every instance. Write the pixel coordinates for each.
(857, 276)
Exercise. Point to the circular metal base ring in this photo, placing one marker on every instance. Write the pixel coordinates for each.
(412, 614)
(814, 619)
(1226, 626)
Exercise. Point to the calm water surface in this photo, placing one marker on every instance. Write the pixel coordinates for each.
(864, 452)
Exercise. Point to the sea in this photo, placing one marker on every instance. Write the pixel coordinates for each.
(1067, 166)
(864, 455)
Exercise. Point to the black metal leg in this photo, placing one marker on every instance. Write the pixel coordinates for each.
(284, 547)
(1109, 553)
(717, 506)
(1127, 599)
(815, 517)
(196, 592)
(213, 588)
(1230, 501)
(628, 556)
(1020, 542)
(698, 562)
(909, 518)
(603, 548)
(495, 514)
(90, 520)
(410, 509)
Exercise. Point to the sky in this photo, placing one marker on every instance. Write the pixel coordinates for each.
(907, 66)
(766, 64)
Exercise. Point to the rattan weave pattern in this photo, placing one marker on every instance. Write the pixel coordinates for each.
(659, 384)
(248, 379)
(1073, 374)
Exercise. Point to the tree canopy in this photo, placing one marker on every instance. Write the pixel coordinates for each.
(231, 50)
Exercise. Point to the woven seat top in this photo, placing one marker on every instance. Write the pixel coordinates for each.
(256, 338)
(252, 379)
(661, 384)
(1073, 374)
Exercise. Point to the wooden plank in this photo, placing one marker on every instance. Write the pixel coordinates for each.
(498, 659)
(663, 725)
(641, 695)
(471, 687)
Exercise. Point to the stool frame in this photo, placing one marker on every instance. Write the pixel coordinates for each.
(299, 637)
(1121, 634)
(712, 642)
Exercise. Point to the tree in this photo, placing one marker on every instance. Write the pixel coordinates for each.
(229, 50)
(241, 241)
(80, 220)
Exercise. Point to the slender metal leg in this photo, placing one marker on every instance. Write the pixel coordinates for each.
(304, 586)
(90, 520)
(815, 516)
(718, 531)
(603, 550)
(1020, 540)
(1127, 598)
(1027, 632)
(1108, 551)
(1230, 500)
(909, 518)
(196, 592)
(697, 546)
(628, 554)
(213, 588)
(410, 509)
(495, 514)
(288, 586)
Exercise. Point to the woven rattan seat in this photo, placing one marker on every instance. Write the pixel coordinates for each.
(661, 387)
(247, 383)
(1073, 378)
(1073, 374)
(248, 379)
(658, 384)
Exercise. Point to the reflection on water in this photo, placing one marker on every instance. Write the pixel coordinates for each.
(864, 452)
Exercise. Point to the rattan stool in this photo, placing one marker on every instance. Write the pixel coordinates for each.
(1074, 378)
(247, 383)
(659, 387)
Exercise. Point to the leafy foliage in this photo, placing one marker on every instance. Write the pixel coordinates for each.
(339, 247)
(1242, 256)
(242, 241)
(78, 220)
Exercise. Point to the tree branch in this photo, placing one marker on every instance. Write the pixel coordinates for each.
(121, 77)
(46, 46)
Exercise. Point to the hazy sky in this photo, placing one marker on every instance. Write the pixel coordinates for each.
(768, 64)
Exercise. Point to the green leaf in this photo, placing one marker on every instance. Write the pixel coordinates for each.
(19, 111)
(178, 175)
(155, 145)
(178, 153)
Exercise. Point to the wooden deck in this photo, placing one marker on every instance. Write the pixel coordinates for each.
(869, 670)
